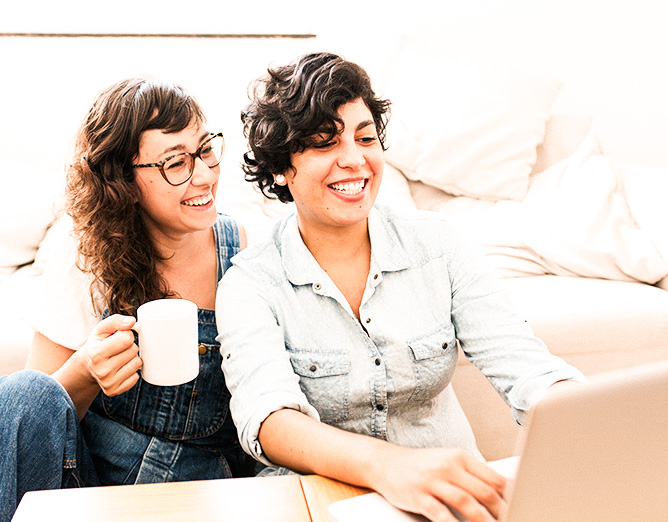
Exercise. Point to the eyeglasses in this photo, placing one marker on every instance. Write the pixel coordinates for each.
(179, 168)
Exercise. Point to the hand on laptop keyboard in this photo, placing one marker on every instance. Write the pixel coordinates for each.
(428, 480)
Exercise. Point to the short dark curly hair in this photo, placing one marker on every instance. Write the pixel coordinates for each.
(291, 104)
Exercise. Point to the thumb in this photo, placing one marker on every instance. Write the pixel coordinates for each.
(112, 324)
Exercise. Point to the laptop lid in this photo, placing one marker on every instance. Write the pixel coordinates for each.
(597, 452)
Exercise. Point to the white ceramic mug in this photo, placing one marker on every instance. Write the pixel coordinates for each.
(168, 341)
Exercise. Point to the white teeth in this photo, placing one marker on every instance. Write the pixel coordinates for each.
(350, 188)
(196, 202)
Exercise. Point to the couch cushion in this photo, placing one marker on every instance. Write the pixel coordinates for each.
(27, 209)
(579, 315)
(646, 189)
(575, 220)
(17, 293)
(467, 128)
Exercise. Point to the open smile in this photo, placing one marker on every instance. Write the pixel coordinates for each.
(349, 188)
(198, 201)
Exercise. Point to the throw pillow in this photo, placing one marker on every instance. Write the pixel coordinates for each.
(467, 128)
(575, 221)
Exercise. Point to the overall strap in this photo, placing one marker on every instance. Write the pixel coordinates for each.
(226, 233)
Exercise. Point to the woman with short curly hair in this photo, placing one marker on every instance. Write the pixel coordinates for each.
(340, 331)
(294, 104)
(141, 197)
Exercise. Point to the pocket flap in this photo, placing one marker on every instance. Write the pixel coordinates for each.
(435, 344)
(319, 364)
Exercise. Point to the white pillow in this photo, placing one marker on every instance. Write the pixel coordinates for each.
(29, 206)
(575, 221)
(467, 128)
(394, 190)
(646, 190)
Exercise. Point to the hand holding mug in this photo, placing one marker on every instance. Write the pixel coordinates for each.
(111, 355)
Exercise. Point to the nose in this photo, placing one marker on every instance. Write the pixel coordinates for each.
(350, 155)
(204, 175)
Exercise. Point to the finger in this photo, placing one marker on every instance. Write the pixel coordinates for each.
(465, 503)
(112, 354)
(436, 511)
(468, 493)
(486, 474)
(120, 375)
(124, 385)
(112, 324)
(117, 343)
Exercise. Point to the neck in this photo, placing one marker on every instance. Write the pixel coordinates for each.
(175, 251)
(339, 243)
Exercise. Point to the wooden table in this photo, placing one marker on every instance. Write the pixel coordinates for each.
(320, 492)
(289, 498)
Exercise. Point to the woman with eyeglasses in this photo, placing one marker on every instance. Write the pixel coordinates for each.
(141, 196)
(339, 333)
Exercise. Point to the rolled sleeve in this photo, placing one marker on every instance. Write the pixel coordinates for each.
(529, 389)
(249, 428)
(257, 367)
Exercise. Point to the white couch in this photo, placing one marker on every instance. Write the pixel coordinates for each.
(577, 235)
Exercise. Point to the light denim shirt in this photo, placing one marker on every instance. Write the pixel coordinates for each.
(289, 338)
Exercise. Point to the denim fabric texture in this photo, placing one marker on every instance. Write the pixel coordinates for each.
(148, 434)
(42, 444)
(167, 433)
(289, 338)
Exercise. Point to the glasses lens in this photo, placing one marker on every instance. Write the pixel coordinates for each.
(212, 151)
(178, 168)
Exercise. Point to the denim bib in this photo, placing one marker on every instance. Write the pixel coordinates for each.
(197, 411)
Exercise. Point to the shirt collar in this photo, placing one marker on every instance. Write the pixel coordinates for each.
(301, 268)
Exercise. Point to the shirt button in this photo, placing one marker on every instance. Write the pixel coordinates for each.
(368, 320)
(445, 345)
(202, 349)
(377, 361)
(313, 367)
(317, 286)
(380, 407)
(375, 276)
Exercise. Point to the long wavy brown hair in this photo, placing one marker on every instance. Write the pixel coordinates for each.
(102, 193)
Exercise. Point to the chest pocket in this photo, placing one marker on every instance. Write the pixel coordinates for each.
(434, 362)
(324, 378)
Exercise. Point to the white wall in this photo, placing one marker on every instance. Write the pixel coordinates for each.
(610, 54)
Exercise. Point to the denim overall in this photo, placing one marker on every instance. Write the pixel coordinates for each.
(172, 433)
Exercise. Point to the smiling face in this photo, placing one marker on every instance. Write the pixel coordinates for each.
(168, 210)
(334, 183)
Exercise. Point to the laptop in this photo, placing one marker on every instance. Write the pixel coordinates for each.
(596, 452)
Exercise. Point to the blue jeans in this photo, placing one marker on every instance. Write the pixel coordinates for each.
(44, 446)
(41, 439)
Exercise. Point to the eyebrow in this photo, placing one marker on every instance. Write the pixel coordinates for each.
(364, 124)
(181, 147)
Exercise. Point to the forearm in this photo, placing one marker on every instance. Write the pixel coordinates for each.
(418, 480)
(68, 367)
(296, 441)
(80, 385)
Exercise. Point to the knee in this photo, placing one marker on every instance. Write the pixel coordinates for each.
(29, 391)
